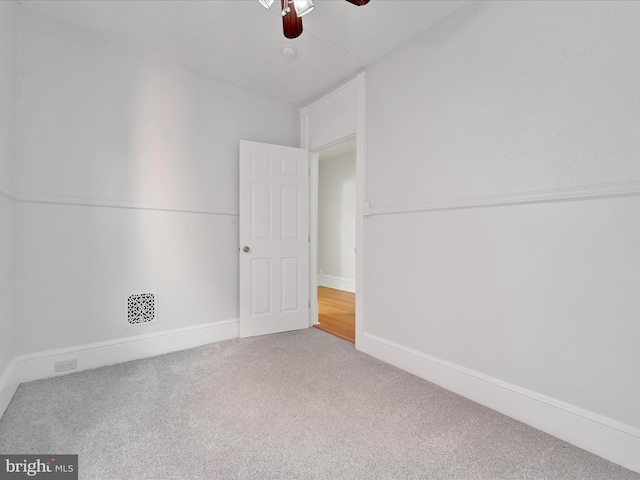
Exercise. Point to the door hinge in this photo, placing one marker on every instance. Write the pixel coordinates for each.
(309, 303)
(309, 238)
(308, 172)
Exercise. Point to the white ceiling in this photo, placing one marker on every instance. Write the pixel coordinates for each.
(239, 41)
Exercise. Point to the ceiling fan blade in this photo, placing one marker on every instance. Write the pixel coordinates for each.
(291, 23)
(359, 3)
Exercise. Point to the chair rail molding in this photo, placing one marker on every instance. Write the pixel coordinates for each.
(8, 195)
(586, 192)
(50, 199)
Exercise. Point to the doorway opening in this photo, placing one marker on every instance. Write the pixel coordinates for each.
(336, 239)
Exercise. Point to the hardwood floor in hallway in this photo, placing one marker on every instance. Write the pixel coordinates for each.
(337, 313)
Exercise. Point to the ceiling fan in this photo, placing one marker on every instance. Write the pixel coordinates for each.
(292, 17)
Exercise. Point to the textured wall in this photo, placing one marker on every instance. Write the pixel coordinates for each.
(98, 124)
(508, 97)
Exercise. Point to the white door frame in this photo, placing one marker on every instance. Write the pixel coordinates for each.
(314, 163)
(355, 87)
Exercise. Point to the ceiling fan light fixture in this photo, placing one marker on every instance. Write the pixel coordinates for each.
(303, 7)
(292, 17)
(291, 22)
(266, 3)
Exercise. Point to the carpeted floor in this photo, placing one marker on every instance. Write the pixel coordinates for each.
(299, 405)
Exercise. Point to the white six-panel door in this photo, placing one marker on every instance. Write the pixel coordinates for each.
(274, 245)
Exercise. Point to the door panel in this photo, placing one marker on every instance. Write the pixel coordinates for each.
(290, 284)
(274, 266)
(290, 201)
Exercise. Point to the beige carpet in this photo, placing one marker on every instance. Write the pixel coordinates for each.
(299, 405)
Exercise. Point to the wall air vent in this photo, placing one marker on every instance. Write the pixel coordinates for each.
(141, 308)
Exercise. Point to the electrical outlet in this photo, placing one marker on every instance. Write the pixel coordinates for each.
(66, 365)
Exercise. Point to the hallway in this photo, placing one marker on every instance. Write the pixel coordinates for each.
(337, 313)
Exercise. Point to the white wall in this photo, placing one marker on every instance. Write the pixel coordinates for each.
(508, 97)
(128, 168)
(7, 157)
(502, 98)
(337, 219)
(331, 118)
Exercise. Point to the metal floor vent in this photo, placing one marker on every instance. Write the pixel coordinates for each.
(141, 308)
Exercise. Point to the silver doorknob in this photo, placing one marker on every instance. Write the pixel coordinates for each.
(246, 249)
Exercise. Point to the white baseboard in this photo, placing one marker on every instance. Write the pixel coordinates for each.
(339, 283)
(41, 365)
(8, 385)
(603, 436)
(25, 368)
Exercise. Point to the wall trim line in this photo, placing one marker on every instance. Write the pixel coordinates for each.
(598, 434)
(86, 202)
(39, 365)
(8, 384)
(330, 97)
(94, 355)
(587, 192)
(8, 195)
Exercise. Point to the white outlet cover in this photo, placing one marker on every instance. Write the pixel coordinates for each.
(65, 365)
